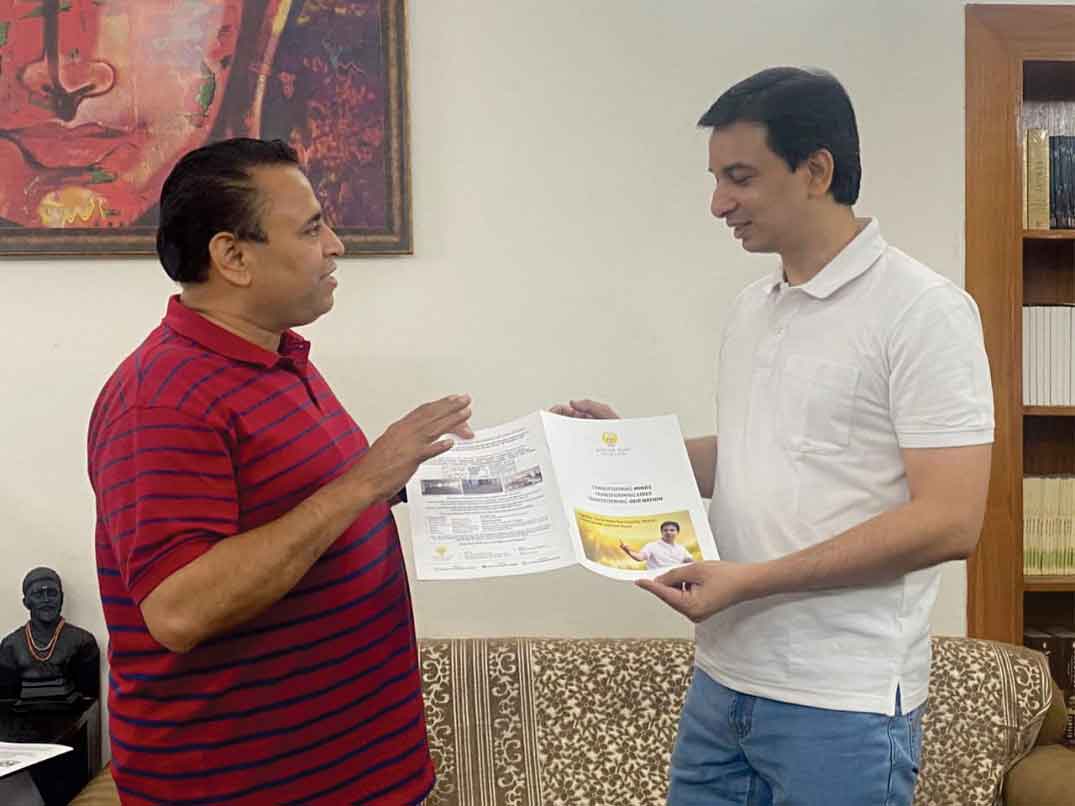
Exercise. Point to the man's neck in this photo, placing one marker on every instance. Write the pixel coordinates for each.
(820, 244)
(234, 321)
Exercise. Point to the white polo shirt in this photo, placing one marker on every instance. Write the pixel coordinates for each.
(659, 554)
(819, 387)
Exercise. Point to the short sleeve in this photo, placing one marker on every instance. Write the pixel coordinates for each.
(940, 389)
(166, 493)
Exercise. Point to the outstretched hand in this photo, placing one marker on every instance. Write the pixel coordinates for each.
(422, 434)
(585, 410)
(702, 589)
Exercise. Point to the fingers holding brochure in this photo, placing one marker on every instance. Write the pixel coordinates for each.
(701, 589)
(585, 410)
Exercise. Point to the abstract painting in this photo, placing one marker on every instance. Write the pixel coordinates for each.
(100, 98)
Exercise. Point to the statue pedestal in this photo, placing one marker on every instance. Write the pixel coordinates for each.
(58, 779)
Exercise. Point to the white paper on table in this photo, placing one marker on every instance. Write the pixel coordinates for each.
(15, 756)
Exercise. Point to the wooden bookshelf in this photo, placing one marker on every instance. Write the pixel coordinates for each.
(1049, 234)
(1052, 583)
(1016, 56)
(1049, 411)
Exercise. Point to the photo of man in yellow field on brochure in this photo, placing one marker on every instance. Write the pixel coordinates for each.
(662, 540)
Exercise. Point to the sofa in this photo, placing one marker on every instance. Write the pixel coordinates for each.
(579, 722)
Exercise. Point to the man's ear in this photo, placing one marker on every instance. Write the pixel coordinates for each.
(821, 167)
(231, 259)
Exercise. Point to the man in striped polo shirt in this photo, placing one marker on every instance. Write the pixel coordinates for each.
(262, 646)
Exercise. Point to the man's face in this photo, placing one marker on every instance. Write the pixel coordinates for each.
(291, 272)
(44, 600)
(99, 98)
(669, 533)
(757, 195)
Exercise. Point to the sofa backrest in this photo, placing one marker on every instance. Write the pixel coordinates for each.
(987, 701)
(528, 722)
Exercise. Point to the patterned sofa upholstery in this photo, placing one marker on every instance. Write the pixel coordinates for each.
(574, 722)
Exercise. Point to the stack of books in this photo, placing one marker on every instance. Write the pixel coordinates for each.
(1048, 357)
(1050, 180)
(1048, 525)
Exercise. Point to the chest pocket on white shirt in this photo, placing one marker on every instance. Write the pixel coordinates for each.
(817, 404)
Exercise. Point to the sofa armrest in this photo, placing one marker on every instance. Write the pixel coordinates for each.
(1056, 720)
(1044, 778)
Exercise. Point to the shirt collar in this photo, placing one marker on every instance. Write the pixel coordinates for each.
(853, 260)
(293, 348)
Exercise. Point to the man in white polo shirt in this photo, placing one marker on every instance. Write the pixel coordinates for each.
(661, 553)
(855, 418)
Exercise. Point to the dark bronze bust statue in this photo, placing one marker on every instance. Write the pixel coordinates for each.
(48, 663)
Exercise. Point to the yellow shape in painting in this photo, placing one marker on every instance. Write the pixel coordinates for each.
(71, 206)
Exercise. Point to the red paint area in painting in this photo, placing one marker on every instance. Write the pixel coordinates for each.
(98, 98)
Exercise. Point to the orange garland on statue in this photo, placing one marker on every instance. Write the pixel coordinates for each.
(48, 648)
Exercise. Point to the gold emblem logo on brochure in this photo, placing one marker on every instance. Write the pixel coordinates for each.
(610, 439)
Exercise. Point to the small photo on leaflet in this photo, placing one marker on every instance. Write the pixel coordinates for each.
(442, 487)
(481, 486)
(524, 478)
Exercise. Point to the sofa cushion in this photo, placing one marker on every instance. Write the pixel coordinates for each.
(986, 704)
(548, 722)
(1044, 776)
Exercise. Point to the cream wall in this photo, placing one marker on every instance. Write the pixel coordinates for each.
(563, 248)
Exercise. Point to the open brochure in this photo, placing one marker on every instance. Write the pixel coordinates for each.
(615, 496)
(15, 756)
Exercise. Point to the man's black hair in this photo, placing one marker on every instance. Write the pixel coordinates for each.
(211, 190)
(803, 111)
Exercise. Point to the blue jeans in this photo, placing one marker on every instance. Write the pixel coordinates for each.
(737, 749)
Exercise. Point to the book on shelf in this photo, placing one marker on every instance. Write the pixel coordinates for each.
(1045, 643)
(1069, 730)
(1061, 210)
(1037, 178)
(1048, 177)
(1048, 355)
(1065, 667)
(1048, 525)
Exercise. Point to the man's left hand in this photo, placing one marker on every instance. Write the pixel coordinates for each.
(699, 590)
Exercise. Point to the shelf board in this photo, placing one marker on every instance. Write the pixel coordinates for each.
(1049, 411)
(1049, 234)
(1049, 583)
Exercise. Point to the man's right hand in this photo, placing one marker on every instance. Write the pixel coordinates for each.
(585, 410)
(394, 456)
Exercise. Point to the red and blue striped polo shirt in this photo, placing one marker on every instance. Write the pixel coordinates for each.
(200, 435)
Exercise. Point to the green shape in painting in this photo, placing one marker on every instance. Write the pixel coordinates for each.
(208, 89)
(99, 176)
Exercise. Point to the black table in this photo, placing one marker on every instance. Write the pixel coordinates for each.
(58, 779)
